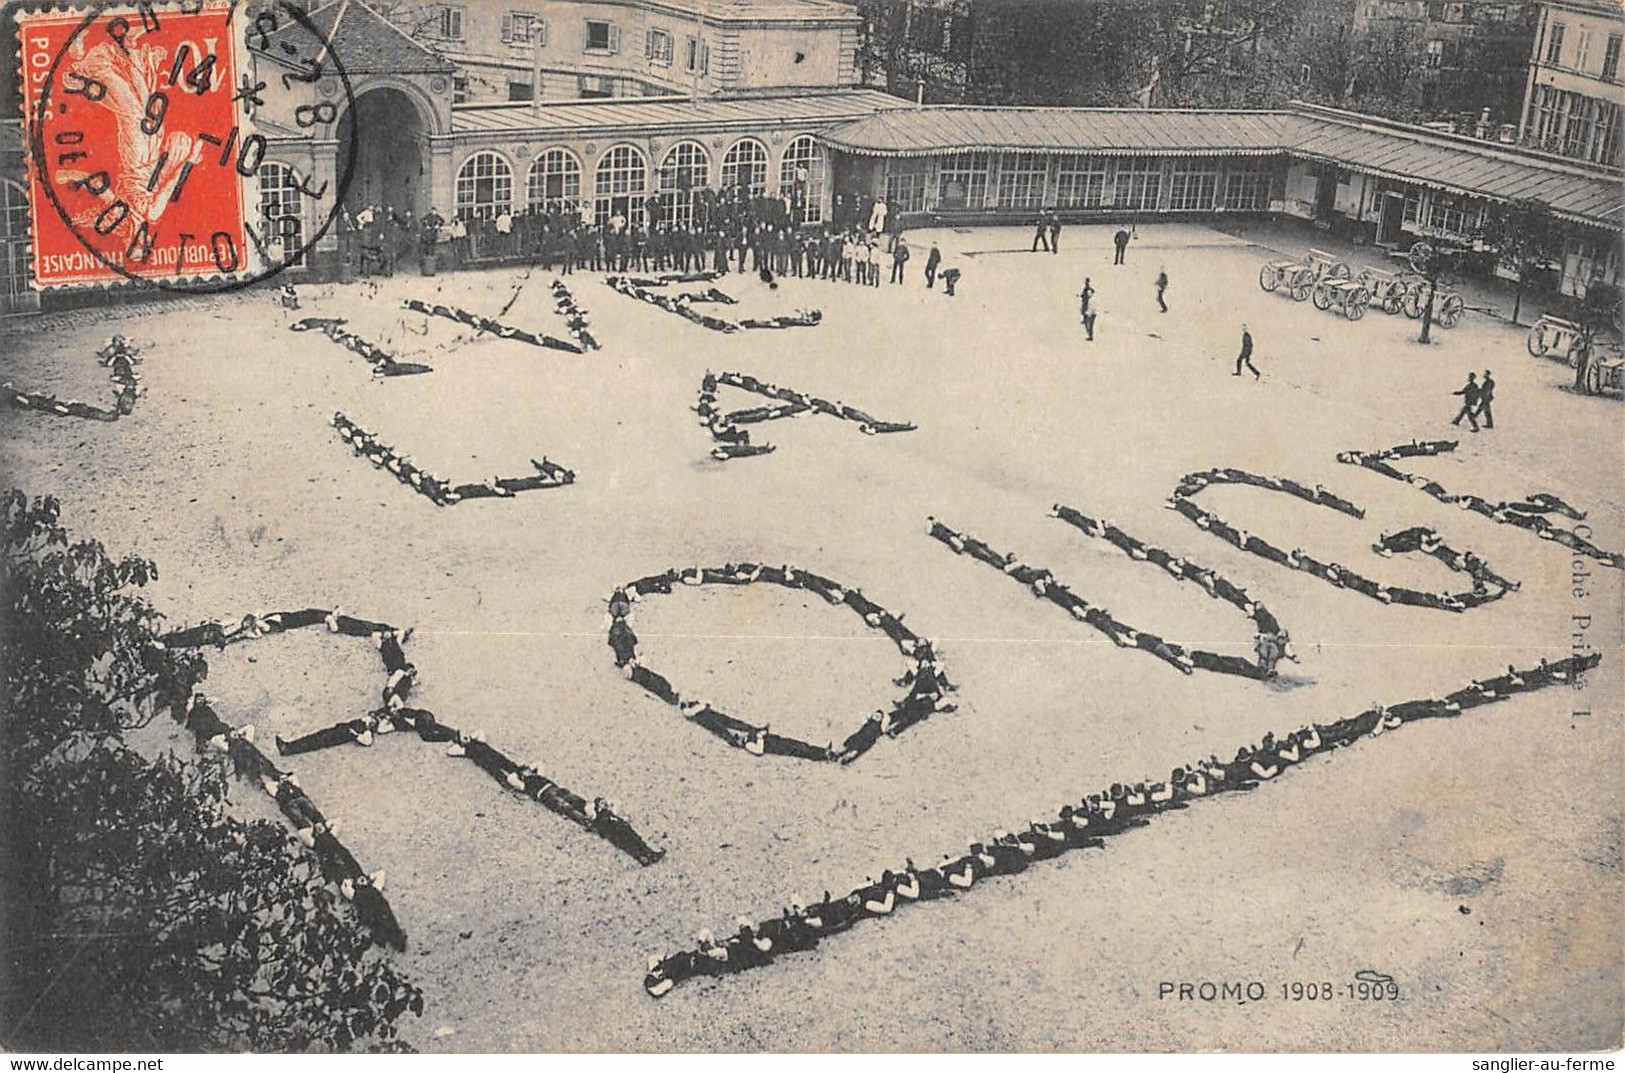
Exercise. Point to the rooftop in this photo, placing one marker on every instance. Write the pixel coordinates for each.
(631, 114)
(940, 129)
(364, 41)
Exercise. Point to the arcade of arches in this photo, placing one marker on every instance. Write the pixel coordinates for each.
(621, 179)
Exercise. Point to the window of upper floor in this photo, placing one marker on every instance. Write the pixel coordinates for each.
(1554, 43)
(602, 37)
(697, 56)
(446, 22)
(657, 47)
(1582, 49)
(1610, 59)
(524, 28)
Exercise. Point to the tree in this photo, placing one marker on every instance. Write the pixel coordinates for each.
(1436, 263)
(1525, 237)
(140, 914)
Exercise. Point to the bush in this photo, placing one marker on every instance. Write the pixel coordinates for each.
(138, 913)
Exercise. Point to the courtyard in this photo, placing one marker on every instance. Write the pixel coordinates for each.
(1474, 861)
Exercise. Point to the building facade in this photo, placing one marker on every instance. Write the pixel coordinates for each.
(830, 152)
(1572, 104)
(509, 50)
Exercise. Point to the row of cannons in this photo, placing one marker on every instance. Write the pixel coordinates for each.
(394, 714)
(681, 304)
(926, 684)
(735, 442)
(120, 357)
(437, 490)
(1083, 824)
(1334, 286)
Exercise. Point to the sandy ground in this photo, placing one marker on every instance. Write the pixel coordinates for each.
(1476, 861)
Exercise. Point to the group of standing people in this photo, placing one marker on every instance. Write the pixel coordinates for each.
(1476, 397)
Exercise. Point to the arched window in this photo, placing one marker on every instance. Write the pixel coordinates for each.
(484, 186)
(801, 176)
(745, 165)
(282, 213)
(13, 241)
(554, 180)
(685, 169)
(620, 185)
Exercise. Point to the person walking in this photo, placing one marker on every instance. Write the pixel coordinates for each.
(1120, 240)
(1162, 286)
(1054, 231)
(1470, 394)
(899, 259)
(1089, 324)
(1039, 235)
(1246, 355)
(1085, 296)
(1486, 395)
(933, 261)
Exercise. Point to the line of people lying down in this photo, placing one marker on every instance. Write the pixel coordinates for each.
(1084, 824)
(1271, 643)
(490, 326)
(1487, 584)
(1192, 483)
(394, 715)
(928, 687)
(683, 306)
(383, 363)
(318, 833)
(120, 357)
(549, 474)
(575, 318)
(734, 442)
(1527, 513)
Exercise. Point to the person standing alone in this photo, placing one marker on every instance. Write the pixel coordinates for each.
(1246, 355)
(1470, 394)
(1162, 286)
(933, 261)
(899, 259)
(1120, 240)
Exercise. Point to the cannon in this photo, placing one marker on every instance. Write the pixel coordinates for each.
(1556, 338)
(1388, 289)
(1297, 277)
(1344, 295)
(1447, 308)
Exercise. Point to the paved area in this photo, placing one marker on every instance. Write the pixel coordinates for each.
(1476, 861)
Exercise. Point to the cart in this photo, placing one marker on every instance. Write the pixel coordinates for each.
(1554, 337)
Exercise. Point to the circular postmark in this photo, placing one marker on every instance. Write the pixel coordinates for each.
(154, 127)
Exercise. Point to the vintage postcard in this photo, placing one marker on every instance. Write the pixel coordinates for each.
(812, 526)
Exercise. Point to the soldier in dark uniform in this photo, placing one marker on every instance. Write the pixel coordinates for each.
(1246, 355)
(1486, 395)
(1470, 394)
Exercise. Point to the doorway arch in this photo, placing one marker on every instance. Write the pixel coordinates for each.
(389, 135)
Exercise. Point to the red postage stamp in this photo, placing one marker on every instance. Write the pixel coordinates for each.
(142, 162)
